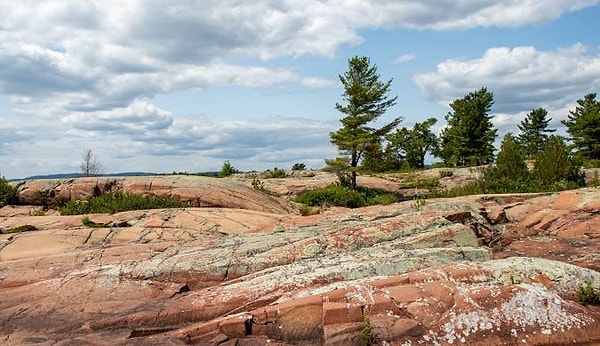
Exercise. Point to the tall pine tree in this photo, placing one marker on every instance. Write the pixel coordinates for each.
(583, 124)
(366, 99)
(534, 132)
(469, 136)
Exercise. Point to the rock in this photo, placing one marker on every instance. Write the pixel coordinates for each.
(198, 191)
(224, 276)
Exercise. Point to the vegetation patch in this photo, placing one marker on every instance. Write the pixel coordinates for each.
(21, 229)
(89, 223)
(118, 201)
(588, 295)
(344, 196)
(8, 194)
(367, 334)
(275, 173)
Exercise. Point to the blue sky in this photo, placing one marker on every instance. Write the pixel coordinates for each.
(181, 85)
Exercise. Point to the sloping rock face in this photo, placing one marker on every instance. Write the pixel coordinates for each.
(404, 273)
(198, 191)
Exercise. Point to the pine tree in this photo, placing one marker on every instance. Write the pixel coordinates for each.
(534, 132)
(510, 173)
(469, 136)
(412, 145)
(366, 99)
(555, 165)
(583, 124)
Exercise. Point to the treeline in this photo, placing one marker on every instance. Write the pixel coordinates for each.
(467, 139)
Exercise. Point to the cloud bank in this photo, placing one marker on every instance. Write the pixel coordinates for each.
(76, 73)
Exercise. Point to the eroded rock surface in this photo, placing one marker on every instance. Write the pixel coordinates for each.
(198, 191)
(222, 276)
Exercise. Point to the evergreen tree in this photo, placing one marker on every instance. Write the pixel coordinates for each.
(533, 132)
(555, 166)
(469, 136)
(412, 145)
(510, 163)
(583, 124)
(366, 99)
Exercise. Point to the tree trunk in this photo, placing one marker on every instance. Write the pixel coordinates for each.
(354, 164)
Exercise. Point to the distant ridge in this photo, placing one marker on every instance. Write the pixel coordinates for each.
(79, 175)
(122, 174)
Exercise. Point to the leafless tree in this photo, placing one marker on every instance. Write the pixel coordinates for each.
(89, 165)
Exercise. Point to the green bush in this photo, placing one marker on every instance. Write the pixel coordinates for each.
(344, 196)
(227, 169)
(298, 167)
(119, 201)
(8, 195)
(275, 173)
(333, 195)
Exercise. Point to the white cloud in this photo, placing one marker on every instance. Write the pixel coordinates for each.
(521, 78)
(86, 71)
(404, 58)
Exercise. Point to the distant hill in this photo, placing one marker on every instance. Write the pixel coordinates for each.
(122, 174)
(79, 175)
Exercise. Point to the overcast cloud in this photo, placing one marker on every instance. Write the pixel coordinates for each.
(79, 74)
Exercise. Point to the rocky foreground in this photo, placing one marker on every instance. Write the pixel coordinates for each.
(241, 267)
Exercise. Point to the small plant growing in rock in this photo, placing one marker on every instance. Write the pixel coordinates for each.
(367, 334)
(37, 212)
(305, 210)
(512, 271)
(587, 294)
(418, 203)
(446, 173)
(89, 223)
(257, 184)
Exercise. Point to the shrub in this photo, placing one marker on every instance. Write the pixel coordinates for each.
(556, 169)
(275, 173)
(227, 169)
(298, 167)
(119, 201)
(337, 195)
(344, 196)
(8, 195)
(510, 162)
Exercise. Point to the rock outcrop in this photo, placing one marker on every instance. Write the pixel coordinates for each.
(473, 270)
(198, 191)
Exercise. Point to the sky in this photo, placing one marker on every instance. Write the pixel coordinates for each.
(183, 85)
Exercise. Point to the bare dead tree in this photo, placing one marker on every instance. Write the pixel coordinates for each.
(89, 165)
